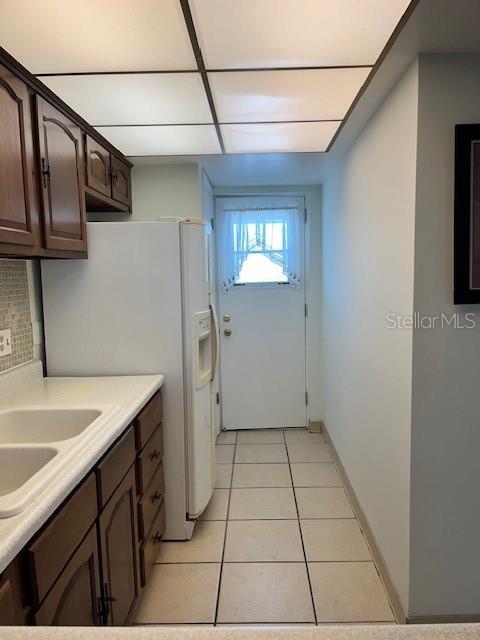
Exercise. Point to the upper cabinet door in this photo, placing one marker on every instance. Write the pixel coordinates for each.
(18, 203)
(121, 182)
(98, 167)
(61, 174)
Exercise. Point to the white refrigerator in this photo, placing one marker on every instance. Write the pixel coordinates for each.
(141, 304)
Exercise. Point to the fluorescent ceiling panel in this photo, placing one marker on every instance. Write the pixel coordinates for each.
(264, 96)
(278, 137)
(163, 141)
(147, 98)
(289, 33)
(61, 36)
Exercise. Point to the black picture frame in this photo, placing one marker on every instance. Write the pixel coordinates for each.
(467, 215)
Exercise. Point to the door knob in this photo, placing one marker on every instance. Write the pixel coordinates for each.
(226, 318)
(227, 332)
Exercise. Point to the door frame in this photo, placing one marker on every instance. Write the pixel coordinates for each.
(235, 195)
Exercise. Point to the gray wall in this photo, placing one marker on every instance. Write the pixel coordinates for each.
(368, 237)
(445, 542)
(161, 190)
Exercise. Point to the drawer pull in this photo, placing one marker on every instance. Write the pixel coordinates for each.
(157, 538)
(155, 455)
(156, 496)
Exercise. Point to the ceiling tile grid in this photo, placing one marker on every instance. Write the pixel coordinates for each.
(135, 98)
(278, 137)
(280, 96)
(293, 33)
(60, 36)
(163, 140)
(175, 77)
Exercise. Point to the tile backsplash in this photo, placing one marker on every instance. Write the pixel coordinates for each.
(15, 312)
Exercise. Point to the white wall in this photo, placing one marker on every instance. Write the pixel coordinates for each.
(313, 201)
(368, 239)
(161, 190)
(445, 544)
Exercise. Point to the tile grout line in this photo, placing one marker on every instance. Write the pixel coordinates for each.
(266, 561)
(372, 559)
(225, 533)
(300, 530)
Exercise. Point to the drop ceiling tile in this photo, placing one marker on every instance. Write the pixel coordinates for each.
(146, 98)
(58, 36)
(163, 141)
(266, 96)
(269, 33)
(278, 137)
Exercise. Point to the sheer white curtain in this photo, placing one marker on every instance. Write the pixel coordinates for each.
(272, 232)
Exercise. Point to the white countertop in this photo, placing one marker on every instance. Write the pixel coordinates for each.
(339, 632)
(26, 386)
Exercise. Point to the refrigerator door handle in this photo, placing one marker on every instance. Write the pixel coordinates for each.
(215, 349)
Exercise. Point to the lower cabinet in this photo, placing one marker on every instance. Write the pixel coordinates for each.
(75, 599)
(7, 603)
(118, 541)
(87, 565)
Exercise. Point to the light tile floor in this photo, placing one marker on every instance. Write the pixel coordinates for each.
(278, 544)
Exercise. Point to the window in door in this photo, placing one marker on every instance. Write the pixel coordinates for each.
(260, 247)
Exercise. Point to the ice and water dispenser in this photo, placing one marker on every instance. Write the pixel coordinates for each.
(203, 346)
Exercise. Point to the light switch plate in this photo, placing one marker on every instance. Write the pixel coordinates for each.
(5, 342)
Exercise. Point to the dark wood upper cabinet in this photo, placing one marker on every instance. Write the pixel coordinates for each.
(121, 182)
(98, 170)
(19, 221)
(119, 551)
(107, 180)
(54, 167)
(75, 599)
(61, 171)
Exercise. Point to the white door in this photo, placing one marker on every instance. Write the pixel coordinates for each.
(261, 293)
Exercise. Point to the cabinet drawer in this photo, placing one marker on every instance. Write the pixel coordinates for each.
(148, 419)
(151, 546)
(148, 505)
(147, 461)
(112, 469)
(50, 550)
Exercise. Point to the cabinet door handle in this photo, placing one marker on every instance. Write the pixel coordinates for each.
(155, 455)
(157, 538)
(45, 172)
(102, 611)
(104, 607)
(108, 596)
(156, 496)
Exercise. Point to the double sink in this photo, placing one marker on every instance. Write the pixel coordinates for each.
(37, 443)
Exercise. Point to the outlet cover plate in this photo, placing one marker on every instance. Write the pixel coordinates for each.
(5, 342)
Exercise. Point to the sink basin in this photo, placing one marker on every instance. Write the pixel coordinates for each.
(18, 426)
(19, 465)
(37, 443)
